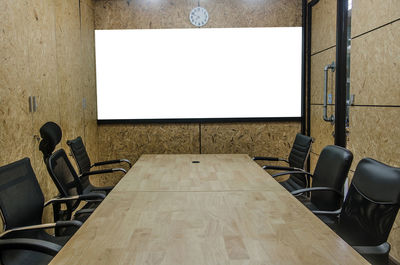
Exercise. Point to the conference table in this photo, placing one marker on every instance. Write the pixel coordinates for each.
(206, 209)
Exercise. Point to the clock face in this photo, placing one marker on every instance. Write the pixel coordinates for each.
(198, 16)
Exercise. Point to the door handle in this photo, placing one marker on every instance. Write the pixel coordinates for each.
(327, 67)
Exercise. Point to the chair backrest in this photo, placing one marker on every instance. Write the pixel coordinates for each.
(371, 205)
(51, 136)
(21, 199)
(331, 170)
(81, 158)
(298, 156)
(64, 176)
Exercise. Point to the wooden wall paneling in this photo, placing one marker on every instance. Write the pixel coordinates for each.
(43, 79)
(170, 14)
(318, 62)
(16, 139)
(131, 141)
(261, 139)
(374, 133)
(323, 25)
(70, 70)
(370, 14)
(321, 130)
(375, 63)
(90, 137)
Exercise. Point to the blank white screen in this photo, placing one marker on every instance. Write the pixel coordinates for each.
(198, 73)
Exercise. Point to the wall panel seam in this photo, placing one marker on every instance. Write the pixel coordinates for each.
(372, 30)
(321, 51)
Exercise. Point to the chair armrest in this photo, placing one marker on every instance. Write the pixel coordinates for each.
(283, 168)
(297, 192)
(336, 212)
(116, 161)
(107, 189)
(267, 158)
(292, 172)
(82, 197)
(102, 171)
(45, 247)
(381, 249)
(57, 224)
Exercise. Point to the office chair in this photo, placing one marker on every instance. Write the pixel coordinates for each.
(297, 158)
(69, 185)
(328, 179)
(369, 210)
(82, 160)
(21, 205)
(64, 177)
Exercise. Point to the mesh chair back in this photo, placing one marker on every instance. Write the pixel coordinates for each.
(81, 157)
(298, 156)
(51, 135)
(371, 205)
(64, 176)
(331, 171)
(21, 199)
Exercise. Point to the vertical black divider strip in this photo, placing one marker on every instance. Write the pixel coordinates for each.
(303, 66)
(341, 73)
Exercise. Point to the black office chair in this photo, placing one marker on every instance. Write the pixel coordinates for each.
(328, 179)
(69, 185)
(297, 158)
(65, 178)
(369, 210)
(21, 205)
(82, 160)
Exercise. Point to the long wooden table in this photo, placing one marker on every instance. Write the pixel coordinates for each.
(225, 209)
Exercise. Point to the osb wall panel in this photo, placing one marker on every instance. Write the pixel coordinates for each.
(253, 138)
(370, 14)
(375, 63)
(128, 141)
(70, 72)
(318, 63)
(43, 80)
(321, 130)
(122, 14)
(375, 133)
(89, 82)
(257, 139)
(16, 140)
(323, 25)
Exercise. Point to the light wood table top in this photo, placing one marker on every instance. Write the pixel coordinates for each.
(204, 224)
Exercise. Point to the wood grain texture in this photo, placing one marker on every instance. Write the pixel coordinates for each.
(69, 68)
(318, 63)
(213, 173)
(44, 84)
(16, 140)
(370, 14)
(90, 136)
(136, 14)
(323, 25)
(229, 227)
(321, 130)
(375, 63)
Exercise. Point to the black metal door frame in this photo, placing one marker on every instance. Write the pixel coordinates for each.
(341, 68)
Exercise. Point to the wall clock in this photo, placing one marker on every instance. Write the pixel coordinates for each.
(198, 16)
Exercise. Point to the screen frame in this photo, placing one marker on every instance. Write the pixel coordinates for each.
(228, 120)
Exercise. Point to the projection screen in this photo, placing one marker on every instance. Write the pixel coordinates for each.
(207, 73)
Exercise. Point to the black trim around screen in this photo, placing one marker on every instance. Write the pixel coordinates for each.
(209, 120)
